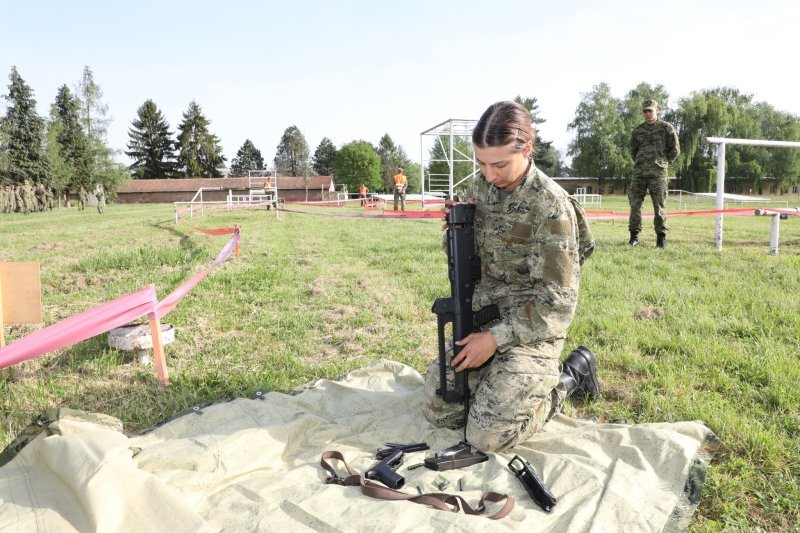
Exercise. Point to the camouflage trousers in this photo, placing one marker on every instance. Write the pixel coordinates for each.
(512, 397)
(400, 195)
(657, 186)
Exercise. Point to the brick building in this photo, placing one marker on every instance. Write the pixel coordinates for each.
(290, 189)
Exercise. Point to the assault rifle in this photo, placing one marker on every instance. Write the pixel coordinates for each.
(464, 269)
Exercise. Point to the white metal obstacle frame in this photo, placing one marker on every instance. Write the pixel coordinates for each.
(267, 196)
(721, 142)
(446, 134)
(587, 198)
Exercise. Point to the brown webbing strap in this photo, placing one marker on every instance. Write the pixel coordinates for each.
(444, 502)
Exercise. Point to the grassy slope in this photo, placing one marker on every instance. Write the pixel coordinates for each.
(314, 297)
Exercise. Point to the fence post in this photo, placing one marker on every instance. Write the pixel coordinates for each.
(773, 234)
(159, 359)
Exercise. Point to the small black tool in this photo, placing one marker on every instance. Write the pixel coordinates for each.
(533, 483)
(457, 456)
(392, 447)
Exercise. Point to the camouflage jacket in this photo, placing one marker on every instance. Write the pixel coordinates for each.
(653, 147)
(530, 258)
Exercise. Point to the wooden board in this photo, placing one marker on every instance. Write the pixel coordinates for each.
(20, 293)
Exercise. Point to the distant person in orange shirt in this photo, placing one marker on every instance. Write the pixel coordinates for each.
(400, 185)
(362, 193)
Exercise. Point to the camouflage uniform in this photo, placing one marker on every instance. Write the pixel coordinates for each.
(530, 254)
(100, 194)
(653, 147)
(49, 198)
(39, 195)
(82, 198)
(19, 200)
(27, 198)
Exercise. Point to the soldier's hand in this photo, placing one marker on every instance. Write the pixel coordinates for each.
(477, 349)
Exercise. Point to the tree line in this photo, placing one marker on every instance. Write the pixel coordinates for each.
(69, 150)
(603, 124)
(66, 151)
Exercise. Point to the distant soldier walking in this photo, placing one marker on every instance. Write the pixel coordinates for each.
(654, 145)
(400, 185)
(100, 194)
(83, 197)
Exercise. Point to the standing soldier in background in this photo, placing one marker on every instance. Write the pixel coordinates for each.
(654, 145)
(49, 198)
(27, 197)
(19, 200)
(82, 198)
(100, 194)
(41, 201)
(400, 185)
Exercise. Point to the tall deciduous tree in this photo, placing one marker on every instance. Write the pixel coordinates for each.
(95, 119)
(23, 134)
(199, 153)
(547, 158)
(151, 145)
(600, 145)
(71, 157)
(324, 157)
(247, 158)
(357, 163)
(291, 157)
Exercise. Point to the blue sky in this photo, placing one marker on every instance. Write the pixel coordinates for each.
(355, 69)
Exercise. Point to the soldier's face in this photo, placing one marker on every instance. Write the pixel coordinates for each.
(650, 115)
(502, 166)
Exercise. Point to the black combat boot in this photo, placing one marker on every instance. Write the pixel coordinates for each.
(579, 373)
(634, 239)
(661, 240)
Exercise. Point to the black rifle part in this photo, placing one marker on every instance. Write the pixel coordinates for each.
(464, 270)
(533, 483)
(391, 447)
(457, 456)
(385, 470)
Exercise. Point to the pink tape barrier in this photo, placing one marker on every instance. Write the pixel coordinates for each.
(82, 326)
(105, 317)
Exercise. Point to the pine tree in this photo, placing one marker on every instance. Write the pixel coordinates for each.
(324, 157)
(199, 153)
(545, 156)
(151, 144)
(247, 158)
(291, 158)
(73, 154)
(23, 134)
(392, 157)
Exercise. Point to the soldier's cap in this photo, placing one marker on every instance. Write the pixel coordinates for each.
(650, 104)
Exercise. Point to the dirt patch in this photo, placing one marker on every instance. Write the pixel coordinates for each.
(649, 313)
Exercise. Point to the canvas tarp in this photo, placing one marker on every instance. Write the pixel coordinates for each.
(252, 464)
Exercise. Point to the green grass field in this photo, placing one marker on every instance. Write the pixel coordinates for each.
(681, 334)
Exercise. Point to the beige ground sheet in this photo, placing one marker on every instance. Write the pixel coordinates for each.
(252, 464)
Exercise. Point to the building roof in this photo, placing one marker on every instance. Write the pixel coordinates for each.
(193, 184)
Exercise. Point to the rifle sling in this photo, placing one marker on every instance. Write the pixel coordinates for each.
(442, 501)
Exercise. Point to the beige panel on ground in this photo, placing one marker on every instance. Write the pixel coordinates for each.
(253, 465)
(21, 291)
